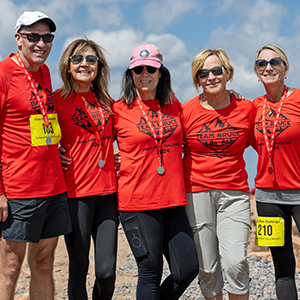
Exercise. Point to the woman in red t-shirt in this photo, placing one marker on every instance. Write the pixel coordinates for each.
(277, 134)
(217, 128)
(151, 193)
(84, 113)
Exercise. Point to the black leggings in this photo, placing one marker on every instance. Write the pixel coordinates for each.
(94, 216)
(283, 257)
(152, 234)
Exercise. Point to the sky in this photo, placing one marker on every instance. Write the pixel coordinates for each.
(180, 29)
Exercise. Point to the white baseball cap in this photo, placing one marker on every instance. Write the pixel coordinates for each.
(30, 17)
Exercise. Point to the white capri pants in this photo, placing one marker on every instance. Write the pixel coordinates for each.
(220, 220)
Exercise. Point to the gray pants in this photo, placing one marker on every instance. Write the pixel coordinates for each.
(220, 220)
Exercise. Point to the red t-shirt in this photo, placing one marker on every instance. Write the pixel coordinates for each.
(140, 187)
(286, 157)
(27, 171)
(84, 177)
(214, 144)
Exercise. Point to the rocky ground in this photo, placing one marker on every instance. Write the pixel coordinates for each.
(262, 277)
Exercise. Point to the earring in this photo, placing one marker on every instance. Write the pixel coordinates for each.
(258, 80)
(284, 77)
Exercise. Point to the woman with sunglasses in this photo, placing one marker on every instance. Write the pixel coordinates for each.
(277, 182)
(84, 113)
(151, 193)
(217, 128)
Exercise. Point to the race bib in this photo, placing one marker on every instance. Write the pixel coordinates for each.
(269, 231)
(42, 135)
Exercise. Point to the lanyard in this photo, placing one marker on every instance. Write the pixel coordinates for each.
(101, 162)
(157, 138)
(33, 88)
(270, 144)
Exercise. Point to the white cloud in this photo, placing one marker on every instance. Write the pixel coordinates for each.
(119, 46)
(257, 24)
(106, 18)
(159, 14)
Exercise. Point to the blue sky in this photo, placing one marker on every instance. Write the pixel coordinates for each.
(179, 28)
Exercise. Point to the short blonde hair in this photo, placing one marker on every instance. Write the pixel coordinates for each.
(200, 58)
(277, 50)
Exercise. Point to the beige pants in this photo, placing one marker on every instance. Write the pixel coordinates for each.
(220, 220)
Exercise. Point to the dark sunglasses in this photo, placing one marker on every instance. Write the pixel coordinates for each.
(261, 64)
(35, 37)
(139, 70)
(78, 58)
(204, 73)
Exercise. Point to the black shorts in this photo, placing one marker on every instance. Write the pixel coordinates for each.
(30, 220)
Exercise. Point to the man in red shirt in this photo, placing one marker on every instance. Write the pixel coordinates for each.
(33, 198)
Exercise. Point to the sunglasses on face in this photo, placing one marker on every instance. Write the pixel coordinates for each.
(204, 73)
(35, 37)
(78, 58)
(139, 70)
(261, 64)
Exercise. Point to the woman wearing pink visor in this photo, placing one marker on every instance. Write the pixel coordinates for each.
(151, 192)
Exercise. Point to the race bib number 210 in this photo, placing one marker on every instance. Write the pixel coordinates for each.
(269, 231)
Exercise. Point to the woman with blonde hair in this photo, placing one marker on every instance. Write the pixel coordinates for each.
(84, 113)
(277, 181)
(218, 127)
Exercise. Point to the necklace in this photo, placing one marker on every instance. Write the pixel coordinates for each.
(99, 137)
(157, 138)
(37, 96)
(270, 143)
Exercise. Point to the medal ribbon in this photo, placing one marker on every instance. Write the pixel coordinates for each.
(270, 144)
(157, 139)
(94, 127)
(35, 91)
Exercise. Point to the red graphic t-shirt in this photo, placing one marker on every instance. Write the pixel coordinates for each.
(84, 177)
(214, 144)
(27, 171)
(140, 187)
(285, 157)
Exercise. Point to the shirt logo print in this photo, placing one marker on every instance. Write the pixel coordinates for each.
(283, 123)
(49, 102)
(169, 125)
(218, 135)
(80, 118)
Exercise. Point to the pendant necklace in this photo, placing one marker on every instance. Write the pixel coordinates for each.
(101, 162)
(157, 138)
(38, 98)
(270, 143)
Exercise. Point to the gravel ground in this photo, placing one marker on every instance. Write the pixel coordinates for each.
(262, 285)
(261, 272)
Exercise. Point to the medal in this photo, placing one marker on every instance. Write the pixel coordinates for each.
(270, 143)
(99, 136)
(160, 170)
(48, 140)
(101, 163)
(157, 138)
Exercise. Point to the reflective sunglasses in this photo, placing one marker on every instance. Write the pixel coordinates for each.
(78, 58)
(204, 73)
(35, 37)
(139, 70)
(261, 64)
